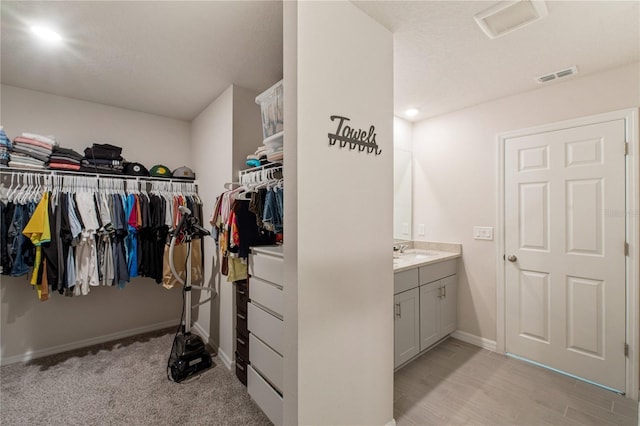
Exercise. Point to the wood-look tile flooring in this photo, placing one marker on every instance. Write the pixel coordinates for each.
(457, 383)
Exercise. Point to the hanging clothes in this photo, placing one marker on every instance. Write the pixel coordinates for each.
(237, 227)
(83, 234)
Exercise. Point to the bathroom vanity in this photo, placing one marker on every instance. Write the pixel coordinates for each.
(425, 298)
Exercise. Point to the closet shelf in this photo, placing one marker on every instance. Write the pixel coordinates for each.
(258, 173)
(10, 170)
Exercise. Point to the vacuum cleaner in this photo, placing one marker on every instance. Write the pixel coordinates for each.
(189, 355)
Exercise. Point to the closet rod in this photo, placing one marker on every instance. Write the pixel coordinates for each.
(10, 170)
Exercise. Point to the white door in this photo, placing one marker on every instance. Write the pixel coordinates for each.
(406, 326)
(564, 243)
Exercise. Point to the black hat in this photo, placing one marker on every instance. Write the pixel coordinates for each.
(135, 169)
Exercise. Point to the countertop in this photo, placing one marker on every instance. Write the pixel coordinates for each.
(427, 254)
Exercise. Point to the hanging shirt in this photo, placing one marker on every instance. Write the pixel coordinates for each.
(74, 221)
(131, 213)
(39, 231)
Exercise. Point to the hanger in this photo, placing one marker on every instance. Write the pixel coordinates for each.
(11, 189)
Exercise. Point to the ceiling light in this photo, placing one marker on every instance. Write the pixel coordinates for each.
(411, 112)
(46, 34)
(510, 15)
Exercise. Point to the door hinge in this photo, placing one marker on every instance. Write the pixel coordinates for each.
(626, 349)
(626, 248)
(626, 148)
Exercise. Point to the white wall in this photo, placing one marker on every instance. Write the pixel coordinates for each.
(247, 126)
(290, 249)
(455, 178)
(212, 151)
(342, 228)
(222, 136)
(30, 326)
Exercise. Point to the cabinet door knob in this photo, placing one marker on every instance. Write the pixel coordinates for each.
(398, 315)
(512, 258)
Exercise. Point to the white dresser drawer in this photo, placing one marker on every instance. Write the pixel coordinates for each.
(266, 327)
(267, 267)
(263, 394)
(266, 295)
(267, 361)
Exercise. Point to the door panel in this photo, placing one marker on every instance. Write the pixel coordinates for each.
(406, 326)
(534, 305)
(585, 321)
(534, 226)
(430, 295)
(449, 306)
(565, 226)
(584, 210)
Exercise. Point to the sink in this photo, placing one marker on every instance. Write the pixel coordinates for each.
(413, 256)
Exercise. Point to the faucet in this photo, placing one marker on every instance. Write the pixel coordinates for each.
(400, 247)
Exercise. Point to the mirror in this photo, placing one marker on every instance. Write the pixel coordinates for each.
(402, 194)
(402, 179)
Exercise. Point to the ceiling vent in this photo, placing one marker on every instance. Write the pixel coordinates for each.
(510, 15)
(556, 75)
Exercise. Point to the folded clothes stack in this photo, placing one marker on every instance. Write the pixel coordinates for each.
(103, 158)
(31, 150)
(5, 147)
(270, 152)
(64, 159)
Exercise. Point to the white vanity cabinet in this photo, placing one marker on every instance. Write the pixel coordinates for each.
(425, 308)
(266, 330)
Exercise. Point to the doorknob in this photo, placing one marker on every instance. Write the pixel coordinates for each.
(512, 258)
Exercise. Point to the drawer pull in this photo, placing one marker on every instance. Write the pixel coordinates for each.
(242, 317)
(242, 342)
(240, 366)
(241, 292)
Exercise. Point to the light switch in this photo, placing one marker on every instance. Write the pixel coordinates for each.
(421, 229)
(482, 233)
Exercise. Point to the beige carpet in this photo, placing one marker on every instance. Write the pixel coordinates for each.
(121, 383)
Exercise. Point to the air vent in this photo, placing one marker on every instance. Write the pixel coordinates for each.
(556, 75)
(508, 16)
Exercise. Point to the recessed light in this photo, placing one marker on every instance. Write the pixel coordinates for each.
(46, 34)
(411, 112)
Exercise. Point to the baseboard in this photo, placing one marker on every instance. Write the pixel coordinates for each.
(30, 355)
(391, 422)
(226, 360)
(474, 340)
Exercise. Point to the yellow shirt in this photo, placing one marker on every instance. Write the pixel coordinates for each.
(39, 231)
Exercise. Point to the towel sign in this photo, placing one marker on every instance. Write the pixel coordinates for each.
(355, 138)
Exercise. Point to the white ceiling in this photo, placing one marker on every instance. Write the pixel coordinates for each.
(170, 58)
(173, 58)
(444, 62)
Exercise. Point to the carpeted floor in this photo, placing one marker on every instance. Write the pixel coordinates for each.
(121, 383)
